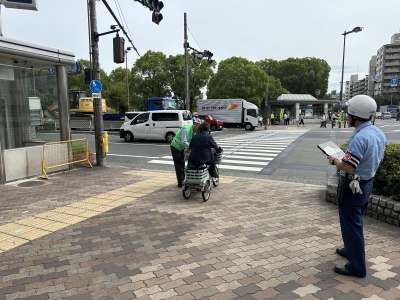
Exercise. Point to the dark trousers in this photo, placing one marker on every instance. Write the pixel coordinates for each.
(272, 121)
(179, 162)
(301, 121)
(351, 213)
(211, 170)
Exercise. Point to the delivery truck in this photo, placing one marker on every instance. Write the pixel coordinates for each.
(232, 112)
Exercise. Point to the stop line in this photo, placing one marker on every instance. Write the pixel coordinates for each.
(251, 151)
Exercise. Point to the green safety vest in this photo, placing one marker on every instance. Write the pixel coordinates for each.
(176, 142)
(272, 116)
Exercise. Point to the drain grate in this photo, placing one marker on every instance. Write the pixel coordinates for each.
(29, 184)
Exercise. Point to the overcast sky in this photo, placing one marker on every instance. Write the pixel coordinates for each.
(255, 30)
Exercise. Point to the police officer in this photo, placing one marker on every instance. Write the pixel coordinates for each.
(178, 146)
(357, 169)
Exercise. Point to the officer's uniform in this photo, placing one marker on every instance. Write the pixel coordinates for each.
(365, 151)
(179, 144)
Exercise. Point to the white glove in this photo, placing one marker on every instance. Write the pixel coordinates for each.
(355, 184)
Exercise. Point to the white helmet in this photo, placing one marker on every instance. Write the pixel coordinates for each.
(197, 120)
(361, 106)
(195, 114)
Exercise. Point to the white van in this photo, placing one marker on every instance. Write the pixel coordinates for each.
(155, 125)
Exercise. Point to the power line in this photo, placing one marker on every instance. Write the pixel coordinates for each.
(194, 39)
(123, 17)
(120, 26)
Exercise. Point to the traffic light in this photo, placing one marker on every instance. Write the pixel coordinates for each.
(119, 49)
(157, 7)
(88, 75)
(208, 54)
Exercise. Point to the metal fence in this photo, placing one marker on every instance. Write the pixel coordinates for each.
(57, 154)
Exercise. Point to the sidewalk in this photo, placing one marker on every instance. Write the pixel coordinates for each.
(117, 233)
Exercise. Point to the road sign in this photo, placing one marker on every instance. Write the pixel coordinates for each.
(317, 92)
(96, 95)
(377, 78)
(74, 69)
(95, 86)
(394, 81)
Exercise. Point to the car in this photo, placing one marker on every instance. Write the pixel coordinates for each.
(214, 123)
(386, 116)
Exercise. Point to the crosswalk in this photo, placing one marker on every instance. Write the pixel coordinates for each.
(250, 151)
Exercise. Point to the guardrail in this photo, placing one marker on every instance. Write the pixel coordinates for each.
(58, 154)
(89, 124)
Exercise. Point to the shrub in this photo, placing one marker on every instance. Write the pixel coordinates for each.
(387, 177)
(78, 149)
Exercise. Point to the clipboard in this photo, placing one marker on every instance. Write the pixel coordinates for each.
(330, 148)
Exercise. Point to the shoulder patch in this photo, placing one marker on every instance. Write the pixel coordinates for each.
(347, 157)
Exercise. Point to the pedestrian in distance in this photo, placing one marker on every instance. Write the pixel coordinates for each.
(357, 169)
(272, 118)
(344, 119)
(287, 119)
(333, 117)
(301, 116)
(340, 117)
(284, 119)
(330, 116)
(178, 146)
(323, 121)
(200, 151)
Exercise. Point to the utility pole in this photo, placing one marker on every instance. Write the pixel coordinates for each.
(266, 106)
(185, 45)
(98, 114)
(127, 82)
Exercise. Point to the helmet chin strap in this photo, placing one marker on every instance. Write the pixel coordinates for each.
(353, 121)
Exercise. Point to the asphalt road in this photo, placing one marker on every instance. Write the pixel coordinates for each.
(284, 155)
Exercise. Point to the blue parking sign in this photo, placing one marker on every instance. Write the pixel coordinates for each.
(394, 81)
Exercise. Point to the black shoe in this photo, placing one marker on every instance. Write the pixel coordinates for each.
(342, 252)
(342, 270)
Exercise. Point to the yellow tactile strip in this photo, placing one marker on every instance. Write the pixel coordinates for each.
(22, 231)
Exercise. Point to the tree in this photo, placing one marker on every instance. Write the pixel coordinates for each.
(151, 70)
(299, 75)
(199, 76)
(238, 77)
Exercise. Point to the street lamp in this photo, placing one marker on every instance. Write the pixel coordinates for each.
(355, 29)
(127, 84)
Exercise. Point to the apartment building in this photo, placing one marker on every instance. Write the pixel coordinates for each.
(388, 66)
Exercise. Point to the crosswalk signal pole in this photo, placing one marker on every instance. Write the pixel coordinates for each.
(266, 106)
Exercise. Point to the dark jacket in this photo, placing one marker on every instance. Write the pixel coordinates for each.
(200, 147)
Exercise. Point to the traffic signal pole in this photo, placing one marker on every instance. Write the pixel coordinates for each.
(97, 107)
(185, 45)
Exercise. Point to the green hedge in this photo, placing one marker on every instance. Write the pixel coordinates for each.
(387, 177)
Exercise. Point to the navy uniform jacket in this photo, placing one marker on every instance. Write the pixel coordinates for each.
(200, 147)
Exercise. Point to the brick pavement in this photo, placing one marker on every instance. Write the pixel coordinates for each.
(116, 233)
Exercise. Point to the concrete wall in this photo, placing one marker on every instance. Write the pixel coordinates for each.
(26, 162)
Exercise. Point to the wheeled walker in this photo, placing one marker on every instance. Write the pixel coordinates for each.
(200, 180)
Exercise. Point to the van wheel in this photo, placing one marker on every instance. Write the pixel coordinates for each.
(248, 127)
(128, 137)
(213, 127)
(169, 137)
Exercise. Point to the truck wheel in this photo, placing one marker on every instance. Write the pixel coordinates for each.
(128, 137)
(248, 127)
(213, 127)
(169, 137)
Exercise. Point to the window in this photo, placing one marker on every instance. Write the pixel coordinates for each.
(143, 118)
(158, 103)
(158, 117)
(186, 116)
(171, 117)
(252, 112)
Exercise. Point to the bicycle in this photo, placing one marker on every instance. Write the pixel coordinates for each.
(200, 180)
